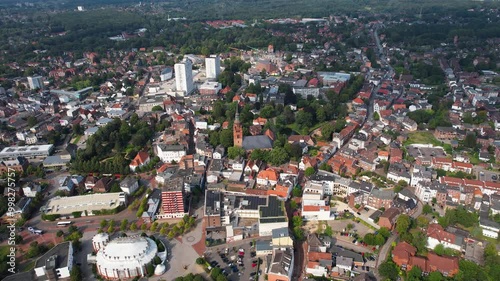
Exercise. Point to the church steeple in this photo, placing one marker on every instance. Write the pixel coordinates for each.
(237, 115)
(237, 130)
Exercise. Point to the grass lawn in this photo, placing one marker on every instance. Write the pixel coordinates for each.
(77, 139)
(422, 138)
(4, 250)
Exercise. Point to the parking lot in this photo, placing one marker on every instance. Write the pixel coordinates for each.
(238, 262)
(485, 175)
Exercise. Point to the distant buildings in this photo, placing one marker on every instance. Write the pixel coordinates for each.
(184, 76)
(212, 64)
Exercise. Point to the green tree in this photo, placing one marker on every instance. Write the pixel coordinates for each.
(235, 152)
(297, 191)
(415, 274)
(403, 224)
(327, 131)
(59, 233)
(157, 108)
(278, 156)
(226, 138)
(32, 121)
(435, 276)
(439, 249)
(133, 226)
(328, 231)
(427, 209)
(76, 273)
(309, 172)
(104, 223)
(470, 140)
(385, 232)
(376, 116)
(389, 270)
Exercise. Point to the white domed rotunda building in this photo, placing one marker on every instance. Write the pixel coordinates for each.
(124, 257)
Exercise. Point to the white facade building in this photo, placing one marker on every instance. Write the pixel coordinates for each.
(184, 76)
(169, 153)
(126, 257)
(57, 261)
(212, 64)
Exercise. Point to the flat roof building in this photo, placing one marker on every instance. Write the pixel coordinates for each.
(28, 151)
(82, 203)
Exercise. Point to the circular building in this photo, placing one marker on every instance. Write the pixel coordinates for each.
(99, 241)
(126, 257)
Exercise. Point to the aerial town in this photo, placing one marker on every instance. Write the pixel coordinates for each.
(336, 149)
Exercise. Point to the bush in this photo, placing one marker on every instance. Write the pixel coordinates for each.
(150, 269)
(50, 217)
(76, 214)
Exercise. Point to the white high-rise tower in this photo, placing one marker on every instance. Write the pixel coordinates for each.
(184, 76)
(212, 64)
(35, 82)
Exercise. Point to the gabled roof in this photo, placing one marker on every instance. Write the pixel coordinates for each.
(140, 159)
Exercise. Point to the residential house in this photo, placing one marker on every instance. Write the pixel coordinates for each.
(268, 177)
(90, 182)
(129, 185)
(445, 133)
(70, 183)
(152, 206)
(31, 189)
(388, 218)
(404, 256)
(103, 185)
(281, 265)
(142, 158)
(219, 152)
(281, 238)
(381, 198)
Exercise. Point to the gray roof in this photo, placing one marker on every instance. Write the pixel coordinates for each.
(62, 253)
(282, 262)
(257, 142)
(341, 252)
(383, 194)
(280, 232)
(264, 245)
(128, 181)
(345, 261)
(176, 147)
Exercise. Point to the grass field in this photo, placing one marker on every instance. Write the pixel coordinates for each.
(422, 138)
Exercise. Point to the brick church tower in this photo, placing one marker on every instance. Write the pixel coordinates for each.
(237, 130)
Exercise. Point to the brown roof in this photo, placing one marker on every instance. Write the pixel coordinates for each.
(437, 232)
(390, 214)
(443, 264)
(140, 158)
(316, 256)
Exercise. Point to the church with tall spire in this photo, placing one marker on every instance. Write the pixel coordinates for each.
(250, 143)
(237, 130)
